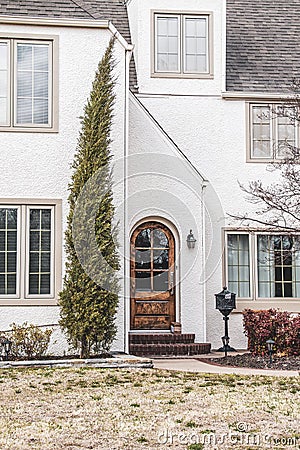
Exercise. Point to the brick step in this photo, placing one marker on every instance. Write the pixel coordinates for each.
(161, 338)
(169, 349)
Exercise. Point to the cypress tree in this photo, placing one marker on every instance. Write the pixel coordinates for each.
(89, 299)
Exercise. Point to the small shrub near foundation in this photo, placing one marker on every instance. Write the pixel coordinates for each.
(28, 341)
(281, 326)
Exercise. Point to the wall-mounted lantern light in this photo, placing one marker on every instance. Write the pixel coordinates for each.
(190, 240)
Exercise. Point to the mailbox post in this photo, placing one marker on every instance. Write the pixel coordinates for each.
(225, 303)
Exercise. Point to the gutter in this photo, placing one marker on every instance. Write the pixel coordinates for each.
(74, 23)
(230, 95)
(126, 241)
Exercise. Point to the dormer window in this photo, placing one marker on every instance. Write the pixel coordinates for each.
(182, 44)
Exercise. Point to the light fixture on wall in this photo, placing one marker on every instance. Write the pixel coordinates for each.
(190, 240)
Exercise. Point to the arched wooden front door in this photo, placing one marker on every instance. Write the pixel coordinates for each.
(152, 277)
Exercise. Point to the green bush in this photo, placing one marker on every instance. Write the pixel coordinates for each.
(28, 341)
(281, 326)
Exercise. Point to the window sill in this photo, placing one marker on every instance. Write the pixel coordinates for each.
(29, 129)
(28, 302)
(263, 160)
(285, 304)
(205, 76)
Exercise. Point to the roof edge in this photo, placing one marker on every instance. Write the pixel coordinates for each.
(234, 95)
(64, 22)
(61, 22)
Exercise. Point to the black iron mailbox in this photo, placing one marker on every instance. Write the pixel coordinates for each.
(225, 303)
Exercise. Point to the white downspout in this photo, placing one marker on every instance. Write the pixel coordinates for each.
(126, 243)
(204, 281)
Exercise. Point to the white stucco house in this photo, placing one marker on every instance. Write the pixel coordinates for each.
(196, 80)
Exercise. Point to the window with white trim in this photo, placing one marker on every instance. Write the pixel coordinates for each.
(27, 251)
(181, 44)
(273, 259)
(272, 130)
(26, 83)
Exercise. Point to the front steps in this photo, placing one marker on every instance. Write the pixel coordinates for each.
(165, 344)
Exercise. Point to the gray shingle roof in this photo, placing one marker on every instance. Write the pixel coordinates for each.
(113, 10)
(40, 8)
(263, 44)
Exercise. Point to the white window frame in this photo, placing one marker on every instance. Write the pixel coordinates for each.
(50, 77)
(52, 251)
(12, 125)
(182, 73)
(7, 41)
(18, 263)
(22, 296)
(183, 36)
(156, 17)
(250, 260)
(274, 141)
(291, 304)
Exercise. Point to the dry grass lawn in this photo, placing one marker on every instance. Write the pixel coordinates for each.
(68, 409)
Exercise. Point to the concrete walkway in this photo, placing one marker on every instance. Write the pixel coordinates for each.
(193, 365)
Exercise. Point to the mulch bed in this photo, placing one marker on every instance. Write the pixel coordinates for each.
(258, 362)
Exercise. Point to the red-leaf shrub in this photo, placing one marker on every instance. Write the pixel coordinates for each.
(281, 326)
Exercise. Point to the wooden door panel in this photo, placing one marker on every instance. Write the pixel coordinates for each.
(151, 322)
(155, 308)
(152, 270)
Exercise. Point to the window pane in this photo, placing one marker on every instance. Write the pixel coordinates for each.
(238, 264)
(40, 57)
(46, 240)
(195, 42)
(160, 281)
(3, 84)
(143, 238)
(3, 111)
(24, 84)
(3, 55)
(160, 239)
(40, 251)
(11, 284)
(4, 95)
(161, 259)
(167, 43)
(278, 265)
(143, 281)
(32, 83)
(8, 247)
(261, 145)
(45, 284)
(40, 85)
(40, 111)
(35, 219)
(142, 259)
(24, 110)
(24, 57)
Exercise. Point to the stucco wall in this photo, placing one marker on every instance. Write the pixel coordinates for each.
(211, 132)
(163, 186)
(37, 165)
